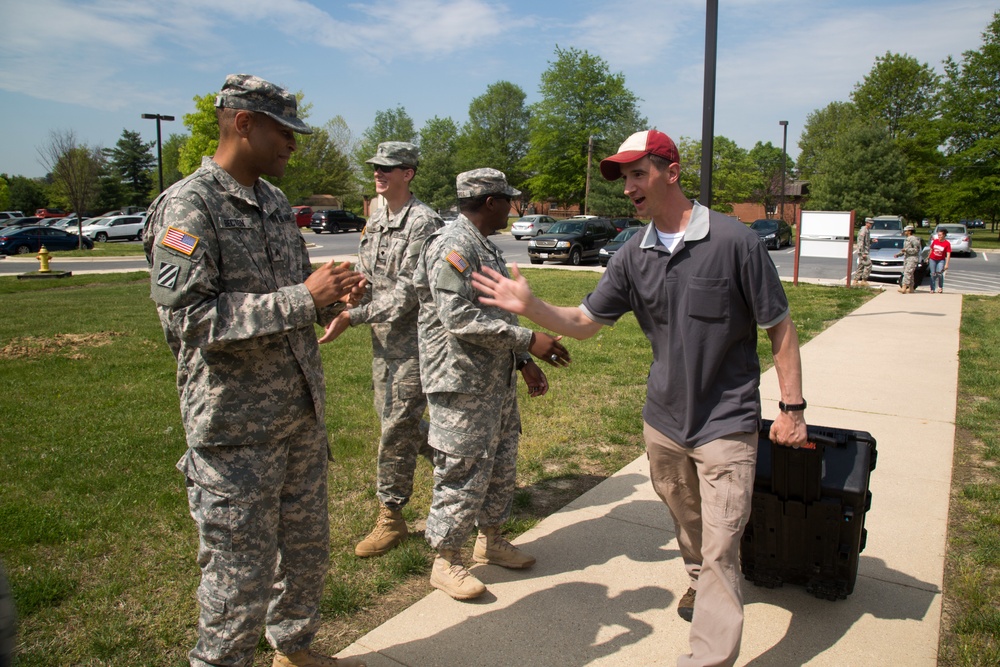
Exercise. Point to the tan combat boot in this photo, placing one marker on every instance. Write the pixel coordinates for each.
(494, 549)
(449, 575)
(390, 530)
(310, 658)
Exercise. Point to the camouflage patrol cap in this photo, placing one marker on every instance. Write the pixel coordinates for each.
(483, 181)
(908, 228)
(395, 154)
(245, 91)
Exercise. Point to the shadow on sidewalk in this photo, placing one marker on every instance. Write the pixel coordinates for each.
(816, 625)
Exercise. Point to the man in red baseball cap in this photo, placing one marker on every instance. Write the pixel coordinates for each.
(699, 283)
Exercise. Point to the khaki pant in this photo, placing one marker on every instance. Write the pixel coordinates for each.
(708, 491)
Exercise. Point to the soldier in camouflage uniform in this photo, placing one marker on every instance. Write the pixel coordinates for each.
(864, 247)
(911, 256)
(469, 355)
(238, 302)
(387, 256)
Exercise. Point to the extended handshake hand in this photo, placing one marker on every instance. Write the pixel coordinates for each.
(335, 282)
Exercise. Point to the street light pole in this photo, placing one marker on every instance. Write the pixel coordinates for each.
(159, 143)
(784, 157)
(708, 103)
(586, 191)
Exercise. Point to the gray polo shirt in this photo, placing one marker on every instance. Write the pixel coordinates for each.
(700, 307)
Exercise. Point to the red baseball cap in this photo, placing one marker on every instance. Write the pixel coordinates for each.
(647, 142)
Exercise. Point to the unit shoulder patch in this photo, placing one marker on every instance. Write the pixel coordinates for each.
(166, 275)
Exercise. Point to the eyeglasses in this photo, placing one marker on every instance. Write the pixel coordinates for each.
(387, 169)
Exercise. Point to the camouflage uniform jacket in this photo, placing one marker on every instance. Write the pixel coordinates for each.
(911, 247)
(864, 240)
(465, 346)
(387, 257)
(227, 278)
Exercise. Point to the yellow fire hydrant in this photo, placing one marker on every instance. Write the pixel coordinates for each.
(43, 259)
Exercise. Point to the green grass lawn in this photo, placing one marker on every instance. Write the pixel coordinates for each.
(96, 536)
(971, 623)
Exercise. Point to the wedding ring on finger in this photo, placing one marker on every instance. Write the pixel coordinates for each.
(554, 358)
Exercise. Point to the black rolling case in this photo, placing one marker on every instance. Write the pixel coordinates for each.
(807, 521)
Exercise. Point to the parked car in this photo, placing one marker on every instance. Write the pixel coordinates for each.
(624, 223)
(115, 228)
(25, 240)
(886, 225)
(336, 220)
(531, 225)
(959, 238)
(7, 215)
(303, 215)
(885, 264)
(773, 233)
(572, 241)
(50, 213)
(975, 224)
(20, 222)
(605, 254)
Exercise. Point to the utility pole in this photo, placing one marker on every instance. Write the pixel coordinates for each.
(159, 144)
(586, 191)
(784, 157)
(708, 105)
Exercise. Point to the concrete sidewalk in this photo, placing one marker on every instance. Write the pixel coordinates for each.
(608, 575)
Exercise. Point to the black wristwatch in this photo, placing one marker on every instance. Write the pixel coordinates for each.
(792, 407)
(522, 363)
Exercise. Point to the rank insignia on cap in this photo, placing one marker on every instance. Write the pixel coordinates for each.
(166, 276)
(457, 261)
(179, 240)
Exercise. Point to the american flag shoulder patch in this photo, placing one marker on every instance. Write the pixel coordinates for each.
(457, 261)
(180, 240)
(167, 274)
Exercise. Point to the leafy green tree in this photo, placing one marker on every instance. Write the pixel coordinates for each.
(4, 194)
(733, 172)
(26, 194)
(581, 99)
(435, 180)
(496, 134)
(389, 125)
(821, 130)
(767, 175)
(898, 92)
(171, 150)
(133, 161)
(75, 169)
(204, 137)
(864, 171)
(317, 166)
(903, 95)
(971, 113)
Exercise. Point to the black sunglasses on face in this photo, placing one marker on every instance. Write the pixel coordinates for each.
(388, 169)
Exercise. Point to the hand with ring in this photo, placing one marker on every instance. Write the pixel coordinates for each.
(548, 348)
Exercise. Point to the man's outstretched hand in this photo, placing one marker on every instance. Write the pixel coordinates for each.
(512, 294)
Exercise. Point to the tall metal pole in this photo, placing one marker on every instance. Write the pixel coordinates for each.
(784, 158)
(586, 192)
(159, 143)
(708, 106)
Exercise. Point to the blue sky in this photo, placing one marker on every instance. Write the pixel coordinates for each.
(94, 66)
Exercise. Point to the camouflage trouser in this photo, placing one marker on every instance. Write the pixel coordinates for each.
(864, 267)
(264, 540)
(400, 404)
(475, 465)
(909, 267)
